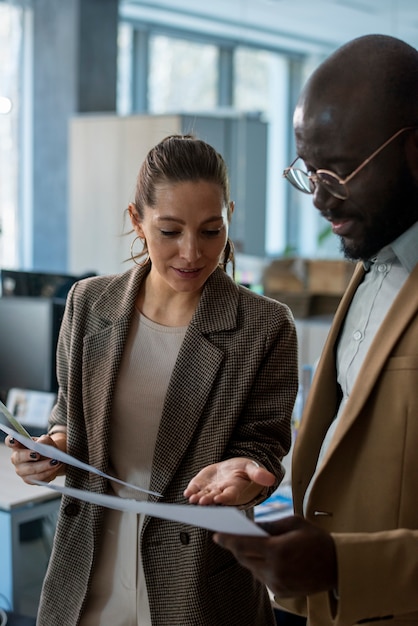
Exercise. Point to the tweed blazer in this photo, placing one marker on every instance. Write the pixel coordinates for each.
(366, 491)
(231, 394)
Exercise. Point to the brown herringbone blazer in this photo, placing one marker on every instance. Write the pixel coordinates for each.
(231, 394)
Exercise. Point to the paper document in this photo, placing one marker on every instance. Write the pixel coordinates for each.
(215, 518)
(53, 453)
(225, 519)
(13, 421)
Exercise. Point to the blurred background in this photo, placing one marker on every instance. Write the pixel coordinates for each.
(87, 87)
(77, 78)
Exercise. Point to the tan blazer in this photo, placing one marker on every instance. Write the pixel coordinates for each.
(366, 492)
(231, 394)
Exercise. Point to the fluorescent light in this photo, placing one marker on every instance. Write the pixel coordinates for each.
(5, 105)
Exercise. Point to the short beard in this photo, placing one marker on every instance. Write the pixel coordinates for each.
(398, 214)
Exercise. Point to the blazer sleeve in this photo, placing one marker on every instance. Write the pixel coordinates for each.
(263, 431)
(375, 593)
(378, 593)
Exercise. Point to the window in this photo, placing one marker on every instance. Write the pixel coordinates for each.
(170, 68)
(125, 61)
(10, 109)
(182, 75)
(261, 82)
(252, 79)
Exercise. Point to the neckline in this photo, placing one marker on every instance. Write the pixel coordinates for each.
(156, 325)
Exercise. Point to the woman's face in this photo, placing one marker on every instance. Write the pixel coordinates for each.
(186, 233)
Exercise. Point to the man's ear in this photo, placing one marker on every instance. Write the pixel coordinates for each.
(411, 152)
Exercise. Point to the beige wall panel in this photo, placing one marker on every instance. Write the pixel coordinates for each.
(106, 152)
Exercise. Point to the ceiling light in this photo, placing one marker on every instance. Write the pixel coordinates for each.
(5, 105)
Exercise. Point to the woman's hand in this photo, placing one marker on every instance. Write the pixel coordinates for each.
(31, 465)
(234, 482)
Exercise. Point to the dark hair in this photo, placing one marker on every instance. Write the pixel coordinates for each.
(182, 158)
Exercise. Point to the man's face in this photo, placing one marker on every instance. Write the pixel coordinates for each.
(382, 198)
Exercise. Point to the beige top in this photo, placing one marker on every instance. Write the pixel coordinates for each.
(118, 593)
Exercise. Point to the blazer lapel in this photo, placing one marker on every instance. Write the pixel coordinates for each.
(322, 398)
(193, 378)
(403, 310)
(102, 353)
(188, 392)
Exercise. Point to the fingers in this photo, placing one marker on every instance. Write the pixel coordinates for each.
(30, 465)
(204, 494)
(259, 475)
(213, 488)
(297, 559)
(246, 549)
(36, 468)
(12, 443)
(284, 525)
(254, 547)
(202, 488)
(231, 482)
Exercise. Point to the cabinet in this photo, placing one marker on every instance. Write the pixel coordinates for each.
(27, 525)
(106, 152)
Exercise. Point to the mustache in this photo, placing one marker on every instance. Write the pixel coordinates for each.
(332, 215)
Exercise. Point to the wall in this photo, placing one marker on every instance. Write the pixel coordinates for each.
(75, 63)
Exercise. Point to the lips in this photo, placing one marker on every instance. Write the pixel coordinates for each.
(187, 272)
(342, 227)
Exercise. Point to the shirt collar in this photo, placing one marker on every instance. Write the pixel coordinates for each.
(404, 248)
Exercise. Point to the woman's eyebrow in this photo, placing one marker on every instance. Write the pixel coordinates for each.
(170, 218)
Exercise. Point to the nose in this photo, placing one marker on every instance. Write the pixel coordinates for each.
(189, 248)
(323, 200)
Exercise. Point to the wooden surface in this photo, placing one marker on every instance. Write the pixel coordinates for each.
(14, 493)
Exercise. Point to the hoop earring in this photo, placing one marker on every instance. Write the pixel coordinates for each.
(231, 251)
(229, 256)
(142, 253)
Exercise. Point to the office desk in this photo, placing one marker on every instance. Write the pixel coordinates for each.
(19, 503)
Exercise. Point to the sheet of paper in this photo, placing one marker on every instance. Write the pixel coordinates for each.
(215, 518)
(53, 453)
(13, 421)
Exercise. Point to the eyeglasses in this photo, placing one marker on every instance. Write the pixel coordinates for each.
(335, 185)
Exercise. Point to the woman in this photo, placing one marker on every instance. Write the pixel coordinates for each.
(176, 379)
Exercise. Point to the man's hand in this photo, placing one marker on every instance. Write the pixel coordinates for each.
(297, 559)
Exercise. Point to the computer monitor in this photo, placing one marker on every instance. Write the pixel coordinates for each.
(29, 329)
(37, 284)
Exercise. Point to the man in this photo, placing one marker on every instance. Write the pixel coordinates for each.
(350, 554)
